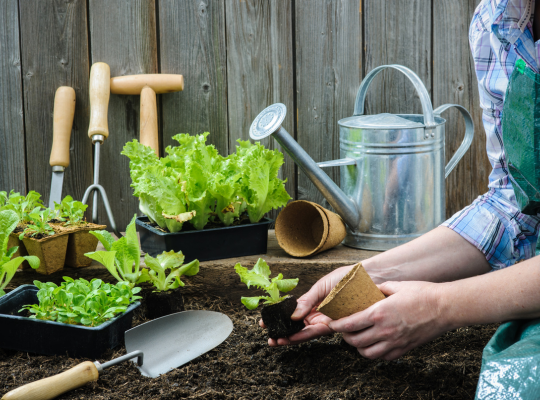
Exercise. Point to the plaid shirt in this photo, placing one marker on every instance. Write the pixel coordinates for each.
(500, 33)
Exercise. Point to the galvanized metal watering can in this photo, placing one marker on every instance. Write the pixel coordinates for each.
(392, 169)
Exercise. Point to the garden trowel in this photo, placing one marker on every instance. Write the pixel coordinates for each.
(158, 347)
(64, 109)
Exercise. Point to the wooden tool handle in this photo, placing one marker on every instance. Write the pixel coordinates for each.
(133, 84)
(148, 121)
(54, 386)
(100, 78)
(64, 110)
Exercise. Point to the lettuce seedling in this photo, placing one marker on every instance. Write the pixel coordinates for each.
(259, 277)
(39, 223)
(80, 302)
(157, 267)
(23, 206)
(8, 266)
(121, 257)
(70, 210)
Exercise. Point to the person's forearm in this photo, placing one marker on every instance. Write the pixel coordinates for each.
(438, 256)
(511, 293)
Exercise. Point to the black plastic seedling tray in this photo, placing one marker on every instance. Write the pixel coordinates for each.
(206, 244)
(54, 338)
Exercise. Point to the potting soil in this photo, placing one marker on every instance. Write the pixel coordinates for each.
(244, 367)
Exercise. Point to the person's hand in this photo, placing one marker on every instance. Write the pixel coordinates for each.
(316, 323)
(391, 327)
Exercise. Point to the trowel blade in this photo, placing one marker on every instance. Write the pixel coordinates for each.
(56, 188)
(171, 341)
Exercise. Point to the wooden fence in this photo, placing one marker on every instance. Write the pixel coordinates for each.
(237, 57)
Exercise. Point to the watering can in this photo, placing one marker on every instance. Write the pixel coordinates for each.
(392, 170)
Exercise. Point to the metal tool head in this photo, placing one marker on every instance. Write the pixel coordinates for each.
(171, 341)
(56, 186)
(268, 121)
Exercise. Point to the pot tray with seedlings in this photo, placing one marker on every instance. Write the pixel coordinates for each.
(277, 310)
(78, 318)
(209, 206)
(354, 293)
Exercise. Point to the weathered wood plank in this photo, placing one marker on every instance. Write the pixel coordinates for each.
(397, 33)
(328, 73)
(54, 45)
(454, 81)
(123, 35)
(192, 43)
(12, 154)
(260, 69)
(218, 277)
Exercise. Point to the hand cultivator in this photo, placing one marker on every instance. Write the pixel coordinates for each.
(98, 131)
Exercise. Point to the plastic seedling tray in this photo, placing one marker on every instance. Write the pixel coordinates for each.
(206, 244)
(54, 338)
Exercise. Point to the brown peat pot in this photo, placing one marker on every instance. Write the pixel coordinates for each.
(277, 318)
(159, 304)
(13, 241)
(51, 251)
(80, 241)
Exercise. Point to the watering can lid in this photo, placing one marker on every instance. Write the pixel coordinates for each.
(379, 121)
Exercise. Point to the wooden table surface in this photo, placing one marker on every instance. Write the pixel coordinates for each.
(218, 277)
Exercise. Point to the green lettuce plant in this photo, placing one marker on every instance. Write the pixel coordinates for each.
(69, 210)
(121, 257)
(81, 302)
(194, 183)
(168, 261)
(259, 276)
(8, 266)
(22, 205)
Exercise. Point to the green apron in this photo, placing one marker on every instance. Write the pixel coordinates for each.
(511, 359)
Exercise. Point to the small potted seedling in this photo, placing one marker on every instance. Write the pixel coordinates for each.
(70, 216)
(165, 297)
(276, 312)
(42, 241)
(8, 263)
(121, 257)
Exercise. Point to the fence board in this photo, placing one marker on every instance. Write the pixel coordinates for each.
(397, 33)
(13, 165)
(123, 35)
(195, 48)
(54, 46)
(260, 69)
(454, 81)
(328, 73)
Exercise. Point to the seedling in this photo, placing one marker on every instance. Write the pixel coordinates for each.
(121, 257)
(39, 223)
(259, 277)
(167, 261)
(70, 210)
(8, 266)
(23, 206)
(80, 302)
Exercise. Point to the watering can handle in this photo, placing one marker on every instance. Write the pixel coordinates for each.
(467, 140)
(427, 108)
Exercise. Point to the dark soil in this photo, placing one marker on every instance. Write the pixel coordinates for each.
(159, 304)
(277, 318)
(244, 367)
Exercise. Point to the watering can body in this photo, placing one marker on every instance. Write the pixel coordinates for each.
(392, 167)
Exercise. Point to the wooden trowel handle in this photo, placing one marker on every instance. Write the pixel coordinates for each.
(54, 386)
(133, 84)
(148, 122)
(100, 91)
(64, 110)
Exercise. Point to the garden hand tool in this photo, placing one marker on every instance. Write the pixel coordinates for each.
(159, 346)
(98, 131)
(64, 109)
(147, 85)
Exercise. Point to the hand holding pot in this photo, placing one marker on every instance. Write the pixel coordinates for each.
(316, 322)
(409, 317)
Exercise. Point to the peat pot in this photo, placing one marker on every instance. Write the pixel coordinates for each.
(56, 338)
(392, 170)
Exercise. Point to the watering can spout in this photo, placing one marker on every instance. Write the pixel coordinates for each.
(267, 123)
